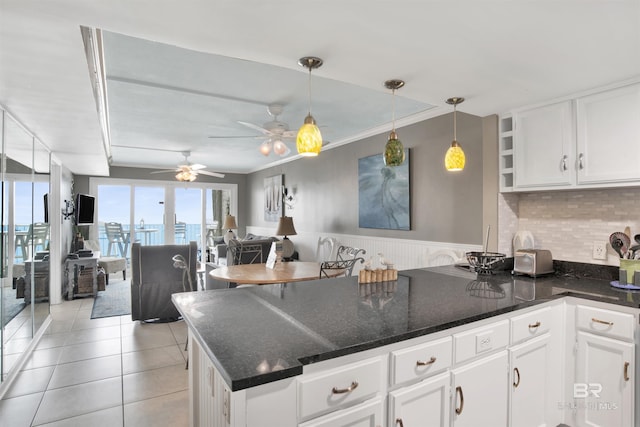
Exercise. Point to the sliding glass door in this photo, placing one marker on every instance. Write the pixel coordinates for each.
(158, 212)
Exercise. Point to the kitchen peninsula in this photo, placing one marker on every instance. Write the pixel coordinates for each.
(323, 353)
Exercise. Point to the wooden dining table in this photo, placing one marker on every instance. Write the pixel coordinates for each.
(259, 274)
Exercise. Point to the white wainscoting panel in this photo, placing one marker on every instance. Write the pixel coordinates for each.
(404, 253)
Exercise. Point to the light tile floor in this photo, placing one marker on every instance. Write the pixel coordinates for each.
(103, 372)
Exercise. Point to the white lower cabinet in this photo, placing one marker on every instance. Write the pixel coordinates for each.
(367, 414)
(530, 383)
(480, 392)
(209, 398)
(604, 389)
(422, 404)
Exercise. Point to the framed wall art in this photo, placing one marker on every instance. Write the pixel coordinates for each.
(383, 194)
(273, 198)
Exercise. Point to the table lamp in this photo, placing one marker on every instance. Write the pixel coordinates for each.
(286, 228)
(229, 223)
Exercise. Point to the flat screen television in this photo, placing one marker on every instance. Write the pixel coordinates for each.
(84, 207)
(46, 208)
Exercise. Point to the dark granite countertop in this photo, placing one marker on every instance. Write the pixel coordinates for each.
(265, 333)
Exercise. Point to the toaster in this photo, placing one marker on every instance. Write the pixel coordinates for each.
(533, 262)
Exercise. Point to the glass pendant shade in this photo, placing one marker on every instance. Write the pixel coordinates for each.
(280, 148)
(454, 160)
(309, 140)
(393, 151)
(265, 147)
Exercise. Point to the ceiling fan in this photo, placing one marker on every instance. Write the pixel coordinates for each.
(188, 172)
(274, 133)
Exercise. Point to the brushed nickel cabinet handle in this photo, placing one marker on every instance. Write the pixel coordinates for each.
(516, 383)
(427, 362)
(604, 322)
(534, 325)
(563, 163)
(461, 395)
(353, 386)
(626, 371)
(399, 422)
(580, 161)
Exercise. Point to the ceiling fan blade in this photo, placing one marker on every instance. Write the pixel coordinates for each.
(290, 134)
(166, 171)
(197, 166)
(255, 127)
(216, 174)
(236, 137)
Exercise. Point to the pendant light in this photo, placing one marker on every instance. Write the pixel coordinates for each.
(393, 150)
(309, 140)
(454, 159)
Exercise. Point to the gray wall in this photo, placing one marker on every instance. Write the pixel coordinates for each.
(445, 206)
(490, 179)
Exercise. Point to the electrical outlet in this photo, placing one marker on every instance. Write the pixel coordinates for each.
(599, 250)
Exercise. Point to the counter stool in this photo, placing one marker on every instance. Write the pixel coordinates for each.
(112, 265)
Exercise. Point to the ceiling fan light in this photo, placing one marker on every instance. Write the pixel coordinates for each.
(280, 148)
(186, 176)
(454, 160)
(309, 139)
(265, 147)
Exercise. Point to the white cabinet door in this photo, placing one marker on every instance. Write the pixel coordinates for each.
(530, 383)
(422, 404)
(367, 414)
(544, 147)
(480, 392)
(604, 389)
(608, 136)
(207, 390)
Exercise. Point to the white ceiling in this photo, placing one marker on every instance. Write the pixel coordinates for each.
(178, 72)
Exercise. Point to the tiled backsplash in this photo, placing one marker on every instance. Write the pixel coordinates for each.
(569, 222)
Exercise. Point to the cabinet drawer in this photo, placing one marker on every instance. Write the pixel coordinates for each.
(605, 322)
(530, 325)
(481, 340)
(421, 360)
(337, 388)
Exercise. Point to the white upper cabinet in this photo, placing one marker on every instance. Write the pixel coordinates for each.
(544, 146)
(588, 141)
(608, 129)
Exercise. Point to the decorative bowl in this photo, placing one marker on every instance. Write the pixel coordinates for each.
(484, 262)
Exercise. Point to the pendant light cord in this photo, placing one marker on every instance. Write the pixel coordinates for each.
(455, 138)
(309, 90)
(393, 110)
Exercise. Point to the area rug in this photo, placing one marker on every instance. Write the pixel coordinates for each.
(11, 305)
(114, 301)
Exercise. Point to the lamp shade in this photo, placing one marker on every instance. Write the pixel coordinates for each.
(454, 160)
(309, 139)
(230, 222)
(285, 227)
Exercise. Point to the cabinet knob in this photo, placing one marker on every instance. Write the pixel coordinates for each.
(353, 386)
(431, 361)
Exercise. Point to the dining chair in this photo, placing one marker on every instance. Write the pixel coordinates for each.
(37, 237)
(243, 253)
(346, 259)
(326, 248)
(117, 236)
(180, 232)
